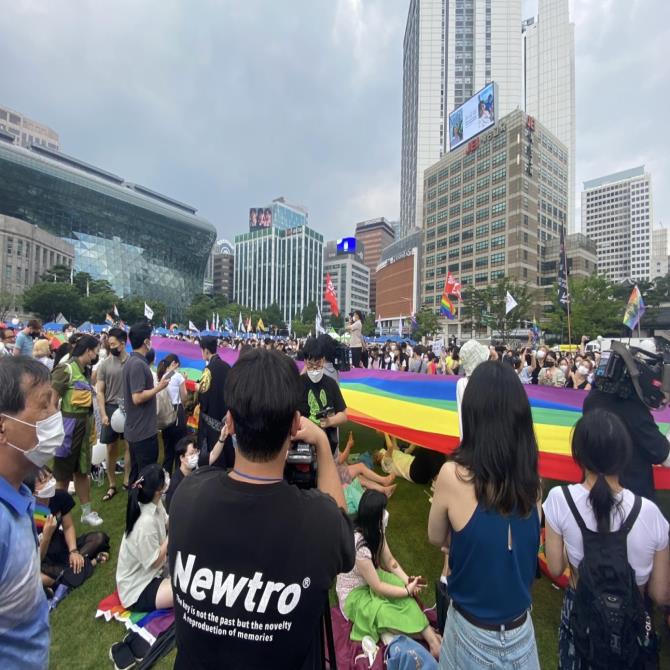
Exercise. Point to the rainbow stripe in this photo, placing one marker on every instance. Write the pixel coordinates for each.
(422, 409)
(40, 514)
(447, 307)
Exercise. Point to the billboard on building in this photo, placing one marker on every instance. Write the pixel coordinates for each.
(347, 245)
(260, 217)
(473, 116)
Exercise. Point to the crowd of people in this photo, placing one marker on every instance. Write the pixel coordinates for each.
(254, 591)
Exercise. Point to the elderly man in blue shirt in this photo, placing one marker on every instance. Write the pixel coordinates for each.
(31, 429)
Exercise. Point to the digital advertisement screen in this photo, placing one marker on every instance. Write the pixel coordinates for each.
(347, 245)
(473, 116)
(260, 217)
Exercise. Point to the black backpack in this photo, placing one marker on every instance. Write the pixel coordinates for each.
(608, 617)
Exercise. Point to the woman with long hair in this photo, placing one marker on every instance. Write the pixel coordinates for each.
(601, 446)
(176, 390)
(378, 595)
(143, 553)
(485, 516)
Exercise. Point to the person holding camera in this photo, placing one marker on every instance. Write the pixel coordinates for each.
(322, 401)
(254, 589)
(355, 329)
(650, 446)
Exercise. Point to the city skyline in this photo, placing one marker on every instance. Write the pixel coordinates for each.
(192, 109)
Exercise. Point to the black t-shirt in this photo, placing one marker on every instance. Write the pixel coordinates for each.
(212, 400)
(175, 480)
(650, 446)
(250, 585)
(316, 397)
(60, 504)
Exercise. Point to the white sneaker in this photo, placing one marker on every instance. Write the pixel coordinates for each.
(92, 519)
(70, 488)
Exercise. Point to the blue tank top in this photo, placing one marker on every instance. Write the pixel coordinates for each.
(488, 580)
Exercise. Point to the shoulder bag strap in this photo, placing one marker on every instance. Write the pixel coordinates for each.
(632, 517)
(573, 508)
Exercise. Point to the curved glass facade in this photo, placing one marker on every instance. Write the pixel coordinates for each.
(143, 243)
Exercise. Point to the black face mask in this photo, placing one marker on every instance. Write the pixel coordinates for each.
(550, 364)
(115, 352)
(34, 335)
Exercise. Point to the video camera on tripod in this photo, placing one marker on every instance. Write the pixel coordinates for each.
(626, 371)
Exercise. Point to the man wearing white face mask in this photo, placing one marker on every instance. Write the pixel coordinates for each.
(31, 428)
(186, 454)
(322, 401)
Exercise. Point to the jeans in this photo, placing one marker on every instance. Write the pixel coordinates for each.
(144, 452)
(466, 647)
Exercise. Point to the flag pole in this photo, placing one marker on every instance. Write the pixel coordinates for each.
(567, 286)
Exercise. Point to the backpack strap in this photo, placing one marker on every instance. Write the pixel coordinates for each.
(573, 508)
(632, 517)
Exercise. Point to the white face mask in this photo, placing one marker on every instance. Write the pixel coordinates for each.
(583, 371)
(541, 354)
(48, 490)
(50, 436)
(192, 461)
(565, 369)
(315, 375)
(385, 519)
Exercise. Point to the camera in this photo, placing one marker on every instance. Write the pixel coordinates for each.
(325, 413)
(301, 465)
(626, 371)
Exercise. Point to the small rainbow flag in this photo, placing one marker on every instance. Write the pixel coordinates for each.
(635, 308)
(40, 515)
(446, 306)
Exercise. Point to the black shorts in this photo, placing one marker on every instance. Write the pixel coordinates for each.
(147, 600)
(107, 434)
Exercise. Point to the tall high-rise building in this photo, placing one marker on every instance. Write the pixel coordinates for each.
(350, 277)
(375, 235)
(279, 261)
(27, 132)
(617, 215)
(452, 48)
(660, 252)
(490, 212)
(223, 268)
(549, 79)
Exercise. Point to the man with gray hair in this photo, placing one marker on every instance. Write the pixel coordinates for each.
(31, 429)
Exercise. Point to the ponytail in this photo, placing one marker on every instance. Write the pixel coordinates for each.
(601, 445)
(143, 490)
(602, 502)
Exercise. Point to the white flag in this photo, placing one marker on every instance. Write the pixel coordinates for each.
(116, 312)
(191, 326)
(379, 324)
(148, 312)
(318, 325)
(240, 324)
(400, 327)
(510, 303)
(206, 324)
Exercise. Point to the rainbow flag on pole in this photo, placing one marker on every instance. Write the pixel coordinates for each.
(446, 306)
(635, 309)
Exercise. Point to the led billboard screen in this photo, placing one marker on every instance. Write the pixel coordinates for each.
(260, 217)
(473, 116)
(347, 245)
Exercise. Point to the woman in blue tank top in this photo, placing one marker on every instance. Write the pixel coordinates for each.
(485, 516)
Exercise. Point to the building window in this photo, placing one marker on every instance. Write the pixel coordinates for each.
(482, 199)
(482, 246)
(498, 242)
(498, 259)
(497, 274)
(483, 214)
(466, 250)
(10, 246)
(498, 208)
(481, 278)
(498, 224)
(482, 230)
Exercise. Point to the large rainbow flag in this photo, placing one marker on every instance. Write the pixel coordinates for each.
(422, 409)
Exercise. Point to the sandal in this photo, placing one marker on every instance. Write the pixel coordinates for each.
(111, 492)
(101, 558)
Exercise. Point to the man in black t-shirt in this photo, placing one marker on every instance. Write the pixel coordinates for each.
(250, 584)
(213, 406)
(650, 446)
(321, 393)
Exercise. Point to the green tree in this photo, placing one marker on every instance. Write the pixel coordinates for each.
(308, 315)
(337, 322)
(57, 273)
(427, 323)
(47, 299)
(301, 329)
(272, 317)
(369, 325)
(596, 308)
(8, 303)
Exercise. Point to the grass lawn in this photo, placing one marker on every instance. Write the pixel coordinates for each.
(78, 640)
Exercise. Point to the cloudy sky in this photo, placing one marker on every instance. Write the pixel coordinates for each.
(227, 104)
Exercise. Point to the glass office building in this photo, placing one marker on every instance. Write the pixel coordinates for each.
(144, 243)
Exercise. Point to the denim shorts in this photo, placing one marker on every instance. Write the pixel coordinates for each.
(466, 647)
